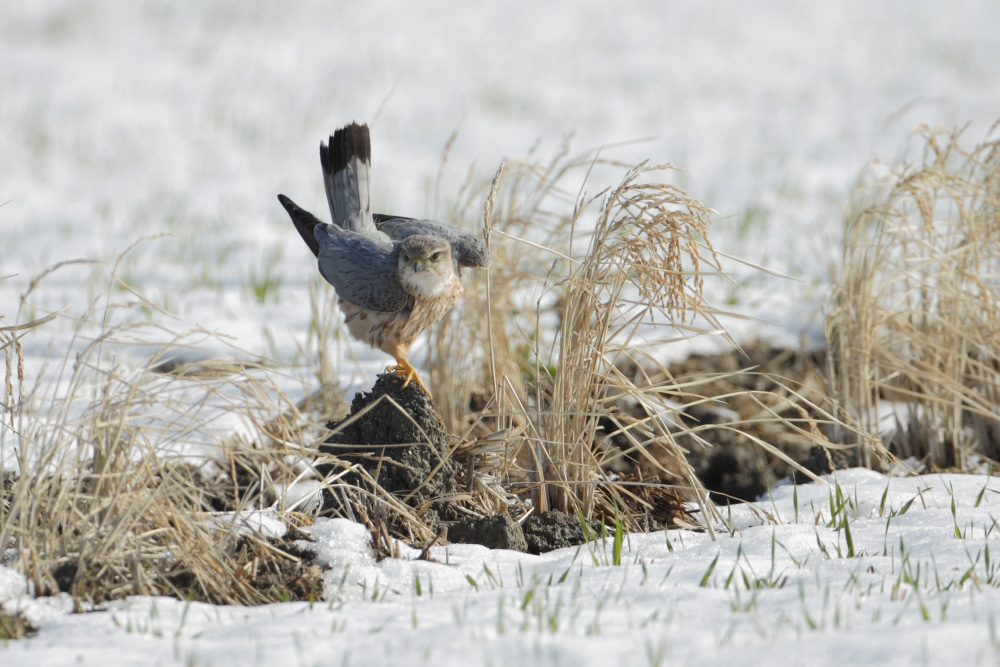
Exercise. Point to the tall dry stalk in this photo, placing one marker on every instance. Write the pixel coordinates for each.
(914, 317)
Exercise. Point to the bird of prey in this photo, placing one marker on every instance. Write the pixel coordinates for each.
(390, 290)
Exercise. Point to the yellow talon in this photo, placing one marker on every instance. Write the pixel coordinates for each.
(404, 370)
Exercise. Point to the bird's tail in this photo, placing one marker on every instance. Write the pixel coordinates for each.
(305, 223)
(346, 169)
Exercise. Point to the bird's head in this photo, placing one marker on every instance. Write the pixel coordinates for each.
(424, 265)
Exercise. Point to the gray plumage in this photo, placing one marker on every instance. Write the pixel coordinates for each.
(362, 269)
(352, 255)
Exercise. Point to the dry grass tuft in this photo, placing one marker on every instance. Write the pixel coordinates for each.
(102, 510)
(105, 501)
(914, 317)
(10, 342)
(560, 347)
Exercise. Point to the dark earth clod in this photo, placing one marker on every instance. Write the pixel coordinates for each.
(495, 532)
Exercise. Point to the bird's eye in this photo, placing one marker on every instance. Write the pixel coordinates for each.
(436, 256)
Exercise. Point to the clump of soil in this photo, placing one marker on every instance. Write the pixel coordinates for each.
(651, 506)
(398, 438)
(277, 568)
(733, 471)
(554, 530)
(733, 467)
(495, 532)
(259, 570)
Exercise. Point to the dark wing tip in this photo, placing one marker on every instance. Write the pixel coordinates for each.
(304, 221)
(324, 155)
(290, 206)
(347, 142)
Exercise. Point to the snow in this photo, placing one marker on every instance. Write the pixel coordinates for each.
(919, 587)
(124, 120)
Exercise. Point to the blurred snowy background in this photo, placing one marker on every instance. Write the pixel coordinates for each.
(125, 119)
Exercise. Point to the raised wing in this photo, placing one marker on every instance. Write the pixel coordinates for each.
(466, 248)
(346, 166)
(363, 270)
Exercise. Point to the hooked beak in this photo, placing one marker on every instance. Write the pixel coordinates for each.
(419, 265)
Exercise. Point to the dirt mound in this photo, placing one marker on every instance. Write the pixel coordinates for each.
(396, 436)
(538, 534)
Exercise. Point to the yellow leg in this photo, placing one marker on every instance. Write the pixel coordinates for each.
(404, 370)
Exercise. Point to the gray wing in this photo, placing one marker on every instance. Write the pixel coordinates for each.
(363, 270)
(466, 248)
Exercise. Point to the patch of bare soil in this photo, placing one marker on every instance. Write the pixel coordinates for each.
(735, 468)
(735, 397)
(555, 530)
(280, 568)
(499, 531)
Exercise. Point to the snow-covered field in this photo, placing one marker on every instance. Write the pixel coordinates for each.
(129, 119)
(902, 571)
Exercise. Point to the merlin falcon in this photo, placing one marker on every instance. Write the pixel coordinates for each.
(394, 276)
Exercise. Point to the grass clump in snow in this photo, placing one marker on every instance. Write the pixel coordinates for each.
(561, 346)
(14, 626)
(914, 316)
(104, 501)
